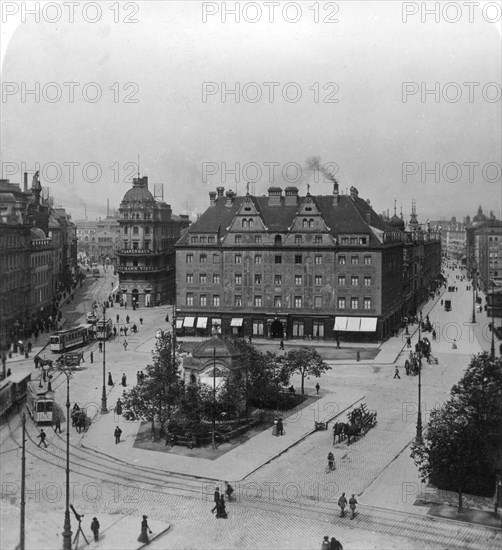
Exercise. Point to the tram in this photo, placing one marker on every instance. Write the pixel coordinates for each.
(40, 402)
(104, 329)
(72, 338)
(13, 390)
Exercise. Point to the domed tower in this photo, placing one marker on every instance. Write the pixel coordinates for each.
(148, 231)
(396, 221)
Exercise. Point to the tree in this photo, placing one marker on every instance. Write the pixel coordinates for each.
(155, 398)
(305, 361)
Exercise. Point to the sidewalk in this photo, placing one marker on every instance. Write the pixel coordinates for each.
(234, 465)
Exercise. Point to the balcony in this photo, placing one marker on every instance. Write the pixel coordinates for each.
(140, 269)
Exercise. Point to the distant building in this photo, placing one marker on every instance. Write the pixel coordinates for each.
(312, 267)
(148, 232)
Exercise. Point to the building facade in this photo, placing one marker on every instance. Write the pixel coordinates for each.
(285, 266)
(148, 232)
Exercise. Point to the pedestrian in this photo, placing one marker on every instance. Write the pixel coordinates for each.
(167, 318)
(117, 317)
(127, 319)
(100, 346)
(358, 356)
(335, 544)
(337, 343)
(141, 320)
(352, 504)
(42, 437)
(331, 462)
(117, 433)
(92, 357)
(57, 424)
(29, 346)
(280, 427)
(125, 345)
(396, 373)
(121, 330)
(281, 345)
(317, 387)
(114, 332)
(407, 366)
(144, 528)
(216, 499)
(95, 529)
(124, 380)
(125, 331)
(408, 342)
(110, 380)
(8, 372)
(342, 502)
(221, 511)
(118, 406)
(325, 543)
(434, 334)
(228, 490)
(35, 360)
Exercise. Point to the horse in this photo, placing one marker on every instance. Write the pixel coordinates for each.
(44, 362)
(78, 418)
(339, 429)
(353, 430)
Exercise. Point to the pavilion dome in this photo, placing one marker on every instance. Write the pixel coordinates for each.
(397, 222)
(37, 234)
(215, 347)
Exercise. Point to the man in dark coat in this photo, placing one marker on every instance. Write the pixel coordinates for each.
(216, 499)
(95, 529)
(342, 502)
(352, 504)
(57, 424)
(117, 433)
(124, 380)
(42, 437)
(92, 357)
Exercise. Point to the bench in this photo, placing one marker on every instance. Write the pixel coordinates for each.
(185, 441)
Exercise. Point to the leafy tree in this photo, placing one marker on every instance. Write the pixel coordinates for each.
(305, 361)
(159, 392)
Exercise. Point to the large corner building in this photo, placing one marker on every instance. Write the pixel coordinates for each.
(312, 267)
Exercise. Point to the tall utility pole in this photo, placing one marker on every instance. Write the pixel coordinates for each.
(67, 525)
(492, 350)
(419, 438)
(23, 486)
(214, 398)
(473, 299)
(103, 394)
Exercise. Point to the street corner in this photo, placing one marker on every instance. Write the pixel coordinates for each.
(121, 531)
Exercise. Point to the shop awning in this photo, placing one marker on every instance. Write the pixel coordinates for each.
(368, 324)
(202, 322)
(341, 323)
(189, 322)
(353, 324)
(237, 322)
(179, 323)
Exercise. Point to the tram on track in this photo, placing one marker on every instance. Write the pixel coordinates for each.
(13, 390)
(40, 402)
(71, 338)
(104, 329)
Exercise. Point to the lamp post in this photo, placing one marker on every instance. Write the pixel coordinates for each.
(473, 298)
(214, 399)
(492, 349)
(103, 393)
(419, 439)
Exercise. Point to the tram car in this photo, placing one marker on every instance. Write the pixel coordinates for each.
(71, 338)
(13, 390)
(104, 329)
(40, 402)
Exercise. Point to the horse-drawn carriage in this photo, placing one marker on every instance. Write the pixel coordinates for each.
(78, 419)
(360, 422)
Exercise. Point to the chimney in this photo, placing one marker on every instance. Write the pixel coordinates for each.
(220, 191)
(107, 207)
(212, 198)
(291, 198)
(274, 196)
(368, 218)
(230, 195)
(26, 182)
(335, 194)
(353, 193)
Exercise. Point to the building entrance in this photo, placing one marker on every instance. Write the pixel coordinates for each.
(276, 329)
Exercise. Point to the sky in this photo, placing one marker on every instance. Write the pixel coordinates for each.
(152, 81)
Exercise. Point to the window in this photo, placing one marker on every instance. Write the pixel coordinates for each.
(202, 239)
(317, 301)
(189, 258)
(278, 240)
(202, 278)
(298, 239)
(278, 280)
(341, 260)
(298, 279)
(189, 299)
(216, 258)
(238, 278)
(354, 280)
(257, 239)
(238, 258)
(341, 303)
(203, 258)
(367, 303)
(318, 239)
(318, 329)
(298, 329)
(353, 240)
(216, 299)
(257, 279)
(244, 222)
(318, 279)
(354, 303)
(311, 222)
(362, 240)
(305, 223)
(318, 259)
(126, 230)
(367, 280)
(257, 259)
(238, 300)
(345, 240)
(257, 301)
(341, 280)
(135, 230)
(354, 260)
(298, 301)
(278, 259)
(277, 301)
(193, 239)
(251, 222)
(189, 278)
(216, 278)
(203, 300)
(258, 327)
(238, 239)
(298, 258)
(367, 260)
(210, 239)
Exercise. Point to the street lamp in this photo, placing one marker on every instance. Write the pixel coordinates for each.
(214, 399)
(419, 439)
(473, 298)
(492, 350)
(103, 394)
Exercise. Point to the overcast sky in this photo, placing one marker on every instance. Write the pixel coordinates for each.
(163, 60)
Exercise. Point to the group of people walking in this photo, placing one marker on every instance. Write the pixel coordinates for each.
(352, 502)
(219, 501)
